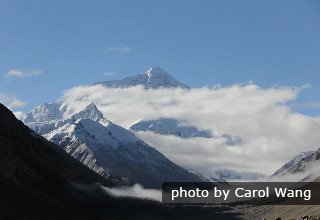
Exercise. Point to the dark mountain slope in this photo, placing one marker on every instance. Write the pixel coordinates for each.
(35, 175)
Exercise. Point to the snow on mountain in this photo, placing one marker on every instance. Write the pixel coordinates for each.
(107, 148)
(165, 126)
(154, 78)
(89, 112)
(49, 116)
(293, 164)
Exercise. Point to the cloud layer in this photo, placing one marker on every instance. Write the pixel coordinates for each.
(271, 132)
(18, 73)
(136, 191)
(119, 50)
(108, 74)
(11, 102)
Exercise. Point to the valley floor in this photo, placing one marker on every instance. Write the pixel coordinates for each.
(271, 212)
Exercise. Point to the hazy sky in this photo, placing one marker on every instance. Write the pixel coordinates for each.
(49, 46)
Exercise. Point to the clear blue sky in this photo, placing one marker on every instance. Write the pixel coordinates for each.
(199, 42)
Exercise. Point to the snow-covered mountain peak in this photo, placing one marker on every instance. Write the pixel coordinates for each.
(89, 112)
(156, 72)
(90, 107)
(154, 78)
(44, 112)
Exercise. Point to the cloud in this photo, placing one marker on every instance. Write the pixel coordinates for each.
(11, 101)
(18, 73)
(271, 131)
(119, 50)
(108, 74)
(136, 191)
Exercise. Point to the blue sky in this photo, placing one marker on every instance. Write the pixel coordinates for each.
(61, 44)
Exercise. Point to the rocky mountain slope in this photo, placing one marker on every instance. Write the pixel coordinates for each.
(290, 166)
(308, 165)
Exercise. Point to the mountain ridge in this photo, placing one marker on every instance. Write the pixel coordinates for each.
(109, 149)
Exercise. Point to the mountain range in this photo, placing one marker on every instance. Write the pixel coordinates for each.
(39, 180)
(112, 150)
(42, 170)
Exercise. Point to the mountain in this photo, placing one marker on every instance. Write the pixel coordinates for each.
(38, 180)
(165, 126)
(293, 163)
(108, 149)
(154, 78)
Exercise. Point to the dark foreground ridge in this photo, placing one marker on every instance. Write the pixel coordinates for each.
(40, 181)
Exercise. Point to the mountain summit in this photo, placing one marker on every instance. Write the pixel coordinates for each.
(154, 78)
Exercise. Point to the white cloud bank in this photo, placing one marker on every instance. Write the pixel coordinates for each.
(108, 74)
(136, 191)
(271, 131)
(11, 101)
(119, 50)
(18, 73)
